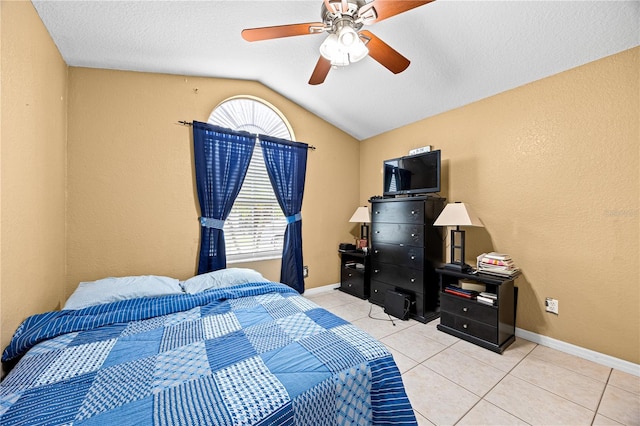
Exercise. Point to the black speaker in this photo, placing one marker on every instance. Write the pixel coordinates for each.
(397, 304)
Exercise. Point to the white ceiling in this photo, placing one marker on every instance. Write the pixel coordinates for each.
(460, 51)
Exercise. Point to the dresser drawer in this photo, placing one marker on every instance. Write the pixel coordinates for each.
(410, 279)
(469, 309)
(407, 256)
(469, 326)
(398, 233)
(398, 212)
(378, 292)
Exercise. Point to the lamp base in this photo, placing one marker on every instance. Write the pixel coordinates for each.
(459, 267)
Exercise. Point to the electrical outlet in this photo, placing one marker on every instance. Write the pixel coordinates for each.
(305, 271)
(551, 305)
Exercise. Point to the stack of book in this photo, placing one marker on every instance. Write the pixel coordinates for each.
(497, 264)
(468, 294)
(488, 298)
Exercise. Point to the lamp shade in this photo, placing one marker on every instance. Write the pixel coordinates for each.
(361, 215)
(458, 214)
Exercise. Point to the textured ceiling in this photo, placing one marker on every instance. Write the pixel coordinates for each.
(460, 51)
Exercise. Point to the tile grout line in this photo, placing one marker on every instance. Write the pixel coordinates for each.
(482, 398)
(552, 392)
(595, 414)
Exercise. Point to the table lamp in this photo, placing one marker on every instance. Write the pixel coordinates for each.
(362, 215)
(457, 214)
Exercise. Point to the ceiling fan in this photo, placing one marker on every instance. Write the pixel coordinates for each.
(347, 41)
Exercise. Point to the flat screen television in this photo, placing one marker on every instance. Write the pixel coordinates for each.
(414, 174)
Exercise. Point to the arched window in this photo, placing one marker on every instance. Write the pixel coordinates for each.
(255, 227)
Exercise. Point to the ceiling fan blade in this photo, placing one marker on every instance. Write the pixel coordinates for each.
(320, 71)
(279, 31)
(387, 8)
(386, 55)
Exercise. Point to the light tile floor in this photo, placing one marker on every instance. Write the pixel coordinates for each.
(450, 381)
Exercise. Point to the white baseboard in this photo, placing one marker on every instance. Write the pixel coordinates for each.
(588, 354)
(323, 289)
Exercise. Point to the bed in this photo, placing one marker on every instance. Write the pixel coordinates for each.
(238, 354)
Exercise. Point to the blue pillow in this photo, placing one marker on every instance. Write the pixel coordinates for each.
(221, 278)
(114, 289)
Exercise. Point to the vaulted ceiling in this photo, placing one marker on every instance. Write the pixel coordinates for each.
(460, 51)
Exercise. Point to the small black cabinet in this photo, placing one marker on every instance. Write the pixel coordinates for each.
(489, 326)
(354, 274)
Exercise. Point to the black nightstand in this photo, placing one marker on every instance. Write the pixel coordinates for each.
(489, 326)
(354, 275)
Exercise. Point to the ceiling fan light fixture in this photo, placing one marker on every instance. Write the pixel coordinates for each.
(347, 36)
(343, 45)
(340, 60)
(358, 51)
(330, 47)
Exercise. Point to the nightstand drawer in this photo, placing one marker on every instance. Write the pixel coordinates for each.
(468, 309)
(354, 274)
(409, 279)
(352, 279)
(398, 233)
(398, 212)
(469, 326)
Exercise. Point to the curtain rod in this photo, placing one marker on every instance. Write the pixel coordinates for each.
(188, 123)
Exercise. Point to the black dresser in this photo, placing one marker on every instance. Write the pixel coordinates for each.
(405, 251)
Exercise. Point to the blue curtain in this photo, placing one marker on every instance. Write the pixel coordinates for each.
(222, 158)
(286, 164)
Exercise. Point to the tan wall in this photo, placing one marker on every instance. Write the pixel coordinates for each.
(32, 192)
(552, 170)
(132, 207)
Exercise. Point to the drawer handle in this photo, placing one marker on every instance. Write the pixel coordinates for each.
(375, 271)
(349, 285)
(413, 235)
(413, 280)
(413, 212)
(375, 291)
(377, 232)
(376, 251)
(465, 309)
(377, 212)
(413, 258)
(349, 274)
(465, 326)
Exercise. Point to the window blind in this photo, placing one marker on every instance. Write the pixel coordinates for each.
(255, 227)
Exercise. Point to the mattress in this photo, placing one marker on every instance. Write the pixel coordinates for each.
(250, 354)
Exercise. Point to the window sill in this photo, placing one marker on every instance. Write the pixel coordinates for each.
(253, 259)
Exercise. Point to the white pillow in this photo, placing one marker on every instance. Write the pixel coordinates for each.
(113, 289)
(221, 278)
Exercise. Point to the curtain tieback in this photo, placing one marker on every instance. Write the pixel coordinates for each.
(210, 222)
(294, 218)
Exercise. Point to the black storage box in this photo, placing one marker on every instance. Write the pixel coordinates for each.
(397, 304)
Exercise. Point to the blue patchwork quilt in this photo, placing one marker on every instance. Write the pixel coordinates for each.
(253, 354)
